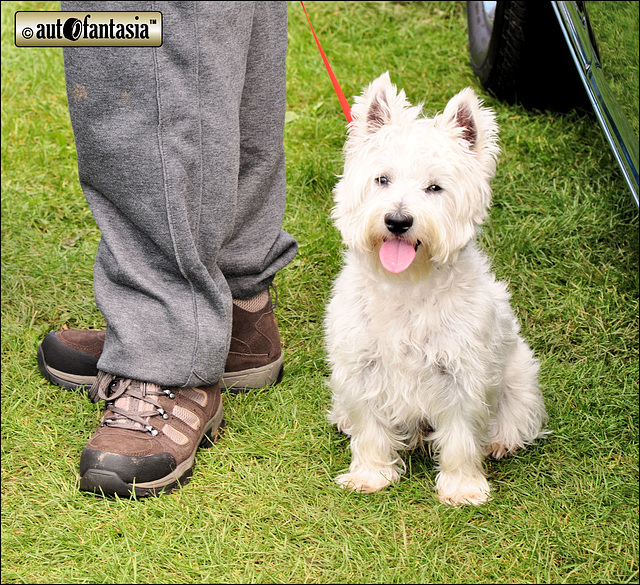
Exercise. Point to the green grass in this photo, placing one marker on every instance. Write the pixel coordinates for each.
(262, 505)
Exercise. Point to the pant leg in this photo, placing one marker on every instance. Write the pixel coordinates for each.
(158, 138)
(258, 246)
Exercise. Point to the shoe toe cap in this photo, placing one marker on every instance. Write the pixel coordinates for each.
(130, 469)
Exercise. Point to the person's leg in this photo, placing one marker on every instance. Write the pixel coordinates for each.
(258, 247)
(158, 139)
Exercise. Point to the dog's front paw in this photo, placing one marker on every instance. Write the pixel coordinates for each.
(455, 490)
(367, 482)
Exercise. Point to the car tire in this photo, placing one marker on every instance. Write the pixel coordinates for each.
(519, 55)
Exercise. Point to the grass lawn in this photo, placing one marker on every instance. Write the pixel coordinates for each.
(262, 506)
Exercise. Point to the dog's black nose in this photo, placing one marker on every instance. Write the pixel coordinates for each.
(398, 223)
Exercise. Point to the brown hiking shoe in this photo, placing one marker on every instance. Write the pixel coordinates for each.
(149, 435)
(255, 354)
(69, 357)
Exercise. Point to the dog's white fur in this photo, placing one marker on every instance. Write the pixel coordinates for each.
(434, 352)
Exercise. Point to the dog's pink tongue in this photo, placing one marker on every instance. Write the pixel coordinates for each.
(397, 255)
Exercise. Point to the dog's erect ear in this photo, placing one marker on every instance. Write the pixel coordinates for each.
(474, 124)
(379, 104)
(378, 113)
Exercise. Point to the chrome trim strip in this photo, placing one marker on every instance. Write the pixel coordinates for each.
(617, 129)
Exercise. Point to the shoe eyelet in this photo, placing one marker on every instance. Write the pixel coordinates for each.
(153, 431)
(163, 413)
(169, 393)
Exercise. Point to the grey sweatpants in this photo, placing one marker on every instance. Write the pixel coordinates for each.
(181, 159)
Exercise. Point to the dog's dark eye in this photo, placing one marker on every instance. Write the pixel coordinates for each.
(382, 180)
(433, 188)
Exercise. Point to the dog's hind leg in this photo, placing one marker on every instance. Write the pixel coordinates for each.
(520, 412)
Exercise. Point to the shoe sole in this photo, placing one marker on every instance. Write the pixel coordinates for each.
(253, 378)
(107, 483)
(233, 382)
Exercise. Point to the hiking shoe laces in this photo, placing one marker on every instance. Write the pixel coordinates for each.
(148, 438)
(131, 403)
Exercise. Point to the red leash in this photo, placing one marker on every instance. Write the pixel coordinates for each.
(336, 86)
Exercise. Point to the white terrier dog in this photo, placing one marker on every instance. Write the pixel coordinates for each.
(421, 339)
